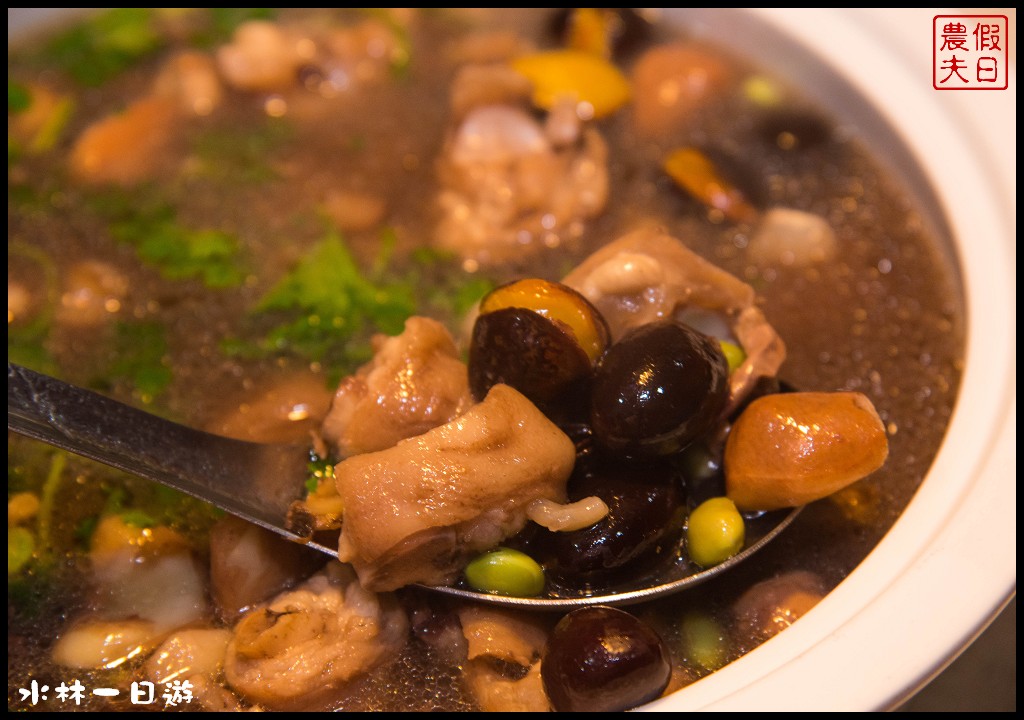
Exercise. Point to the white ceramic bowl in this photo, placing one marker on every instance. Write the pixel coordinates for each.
(949, 563)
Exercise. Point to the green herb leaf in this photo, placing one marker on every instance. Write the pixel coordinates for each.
(18, 97)
(320, 469)
(181, 254)
(139, 349)
(228, 155)
(106, 44)
(328, 283)
(223, 21)
(178, 252)
(138, 518)
(327, 307)
(21, 545)
(27, 337)
(84, 530)
(452, 292)
(335, 301)
(401, 56)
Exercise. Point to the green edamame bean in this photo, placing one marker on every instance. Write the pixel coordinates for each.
(714, 532)
(734, 354)
(20, 547)
(504, 571)
(703, 641)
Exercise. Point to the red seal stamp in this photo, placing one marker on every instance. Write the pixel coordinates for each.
(970, 52)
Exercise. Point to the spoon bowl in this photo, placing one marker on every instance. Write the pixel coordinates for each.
(259, 481)
(673, 576)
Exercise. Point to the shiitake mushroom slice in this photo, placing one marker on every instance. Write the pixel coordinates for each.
(542, 338)
(559, 303)
(527, 351)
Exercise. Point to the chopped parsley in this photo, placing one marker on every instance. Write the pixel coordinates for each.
(178, 252)
(451, 292)
(327, 308)
(27, 337)
(138, 350)
(106, 44)
(19, 98)
(222, 23)
(21, 546)
(401, 55)
(138, 518)
(181, 253)
(320, 469)
(228, 155)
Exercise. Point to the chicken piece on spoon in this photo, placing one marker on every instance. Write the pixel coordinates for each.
(414, 383)
(415, 513)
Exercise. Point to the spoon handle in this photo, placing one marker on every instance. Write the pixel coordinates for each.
(255, 481)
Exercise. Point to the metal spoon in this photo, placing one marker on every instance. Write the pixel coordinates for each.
(258, 482)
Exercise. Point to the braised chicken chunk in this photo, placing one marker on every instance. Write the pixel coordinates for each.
(415, 513)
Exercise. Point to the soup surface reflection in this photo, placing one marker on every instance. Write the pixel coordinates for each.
(212, 214)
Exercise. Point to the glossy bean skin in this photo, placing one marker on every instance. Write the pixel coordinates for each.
(657, 389)
(645, 502)
(715, 532)
(601, 659)
(505, 571)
